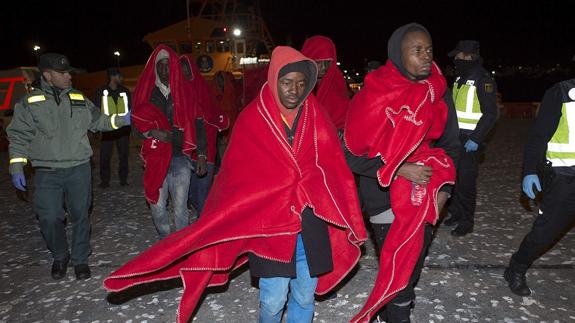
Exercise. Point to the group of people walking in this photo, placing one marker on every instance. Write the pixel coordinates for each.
(285, 198)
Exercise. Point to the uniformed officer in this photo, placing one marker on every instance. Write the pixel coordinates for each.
(114, 98)
(474, 94)
(49, 129)
(548, 165)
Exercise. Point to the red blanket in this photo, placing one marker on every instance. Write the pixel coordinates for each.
(397, 119)
(256, 203)
(332, 92)
(146, 116)
(215, 120)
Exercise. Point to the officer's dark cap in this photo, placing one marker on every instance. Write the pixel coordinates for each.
(56, 62)
(465, 46)
(113, 71)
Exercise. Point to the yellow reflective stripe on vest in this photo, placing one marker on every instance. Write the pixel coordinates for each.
(36, 98)
(105, 108)
(561, 147)
(113, 121)
(124, 97)
(76, 96)
(467, 105)
(18, 160)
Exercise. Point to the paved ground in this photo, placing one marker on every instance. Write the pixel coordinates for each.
(462, 280)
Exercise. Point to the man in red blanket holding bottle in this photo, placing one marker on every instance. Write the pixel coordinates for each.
(402, 111)
(284, 199)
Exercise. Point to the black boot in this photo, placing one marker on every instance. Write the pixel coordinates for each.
(515, 276)
(398, 313)
(59, 268)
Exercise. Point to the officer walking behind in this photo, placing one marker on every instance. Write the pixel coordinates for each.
(549, 165)
(49, 129)
(474, 94)
(114, 99)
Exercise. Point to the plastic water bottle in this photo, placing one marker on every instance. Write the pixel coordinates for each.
(418, 192)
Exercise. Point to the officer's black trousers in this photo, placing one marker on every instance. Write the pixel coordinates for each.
(557, 216)
(121, 139)
(463, 199)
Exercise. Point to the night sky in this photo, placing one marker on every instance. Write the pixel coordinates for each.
(511, 32)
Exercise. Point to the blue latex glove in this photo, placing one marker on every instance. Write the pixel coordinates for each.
(127, 118)
(19, 181)
(470, 145)
(528, 182)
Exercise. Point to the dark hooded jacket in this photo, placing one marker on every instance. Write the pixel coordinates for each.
(373, 197)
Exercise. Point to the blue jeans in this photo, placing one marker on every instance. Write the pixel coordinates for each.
(176, 185)
(200, 187)
(274, 293)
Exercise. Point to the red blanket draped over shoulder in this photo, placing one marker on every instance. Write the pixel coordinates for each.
(146, 116)
(397, 119)
(332, 92)
(256, 202)
(215, 120)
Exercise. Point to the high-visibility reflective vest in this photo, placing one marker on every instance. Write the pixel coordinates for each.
(466, 104)
(561, 147)
(110, 107)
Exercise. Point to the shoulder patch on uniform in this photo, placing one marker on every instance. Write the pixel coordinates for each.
(76, 96)
(36, 98)
(489, 87)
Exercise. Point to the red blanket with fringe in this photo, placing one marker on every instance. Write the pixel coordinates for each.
(146, 116)
(332, 92)
(255, 206)
(397, 119)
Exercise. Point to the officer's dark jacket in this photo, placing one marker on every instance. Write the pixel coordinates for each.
(487, 101)
(544, 128)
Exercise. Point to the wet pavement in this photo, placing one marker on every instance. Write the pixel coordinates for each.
(461, 282)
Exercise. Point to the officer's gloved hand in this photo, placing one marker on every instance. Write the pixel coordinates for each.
(470, 146)
(528, 182)
(127, 118)
(19, 181)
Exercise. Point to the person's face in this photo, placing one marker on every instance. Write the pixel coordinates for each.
(417, 54)
(186, 69)
(118, 79)
(462, 56)
(163, 70)
(62, 80)
(322, 67)
(291, 88)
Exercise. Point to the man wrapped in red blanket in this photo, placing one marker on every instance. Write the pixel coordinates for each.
(402, 111)
(210, 121)
(331, 90)
(284, 197)
(165, 113)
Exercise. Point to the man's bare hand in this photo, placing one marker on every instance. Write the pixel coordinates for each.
(419, 174)
(201, 166)
(161, 135)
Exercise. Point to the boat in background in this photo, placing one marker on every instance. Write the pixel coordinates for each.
(223, 35)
